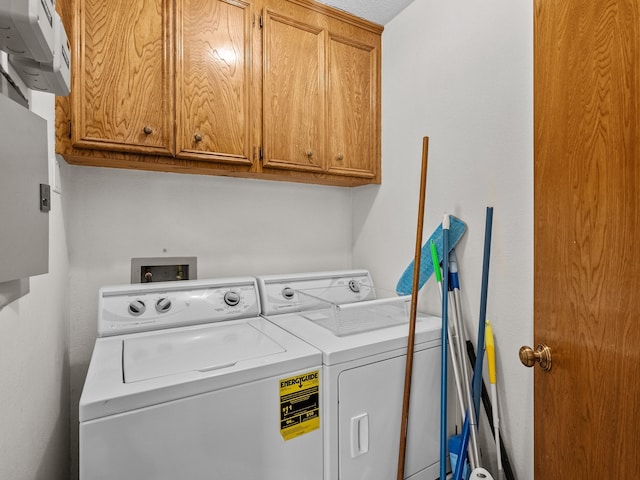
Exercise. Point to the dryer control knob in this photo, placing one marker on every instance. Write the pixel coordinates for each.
(232, 298)
(163, 305)
(137, 307)
(354, 286)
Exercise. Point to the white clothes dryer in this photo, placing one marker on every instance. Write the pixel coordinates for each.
(363, 340)
(187, 381)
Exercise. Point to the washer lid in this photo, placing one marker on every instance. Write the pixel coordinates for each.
(200, 350)
(250, 341)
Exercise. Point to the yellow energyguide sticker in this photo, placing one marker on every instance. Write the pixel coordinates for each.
(299, 404)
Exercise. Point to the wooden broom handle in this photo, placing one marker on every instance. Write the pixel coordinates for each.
(412, 314)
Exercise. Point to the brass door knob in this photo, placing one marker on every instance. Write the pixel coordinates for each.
(147, 130)
(541, 355)
(197, 137)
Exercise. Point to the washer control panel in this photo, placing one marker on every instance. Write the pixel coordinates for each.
(299, 292)
(142, 307)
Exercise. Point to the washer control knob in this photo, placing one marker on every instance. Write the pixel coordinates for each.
(354, 286)
(137, 307)
(163, 305)
(232, 298)
(288, 293)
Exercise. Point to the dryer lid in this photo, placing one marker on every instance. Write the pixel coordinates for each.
(201, 349)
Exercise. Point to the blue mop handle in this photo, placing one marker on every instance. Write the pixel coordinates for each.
(443, 367)
(477, 370)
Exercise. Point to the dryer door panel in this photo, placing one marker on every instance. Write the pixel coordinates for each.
(370, 409)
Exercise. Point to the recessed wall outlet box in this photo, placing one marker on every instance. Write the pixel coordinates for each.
(53, 77)
(27, 28)
(163, 269)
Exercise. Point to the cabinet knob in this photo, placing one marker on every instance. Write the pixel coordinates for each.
(340, 156)
(309, 153)
(197, 137)
(148, 130)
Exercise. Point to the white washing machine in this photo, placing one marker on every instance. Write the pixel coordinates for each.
(363, 340)
(187, 381)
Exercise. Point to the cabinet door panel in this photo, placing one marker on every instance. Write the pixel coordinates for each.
(352, 108)
(214, 79)
(123, 88)
(294, 99)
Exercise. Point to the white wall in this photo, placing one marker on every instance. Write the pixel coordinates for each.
(461, 73)
(34, 403)
(234, 227)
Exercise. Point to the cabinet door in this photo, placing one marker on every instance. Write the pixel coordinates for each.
(294, 86)
(214, 120)
(353, 108)
(24, 243)
(122, 90)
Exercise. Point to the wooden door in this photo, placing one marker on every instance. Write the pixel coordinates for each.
(352, 107)
(122, 93)
(294, 88)
(213, 65)
(587, 228)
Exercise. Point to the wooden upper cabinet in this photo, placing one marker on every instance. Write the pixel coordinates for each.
(278, 89)
(294, 90)
(321, 104)
(213, 87)
(353, 109)
(123, 90)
